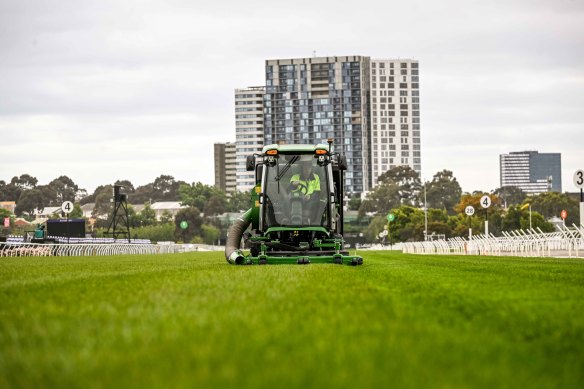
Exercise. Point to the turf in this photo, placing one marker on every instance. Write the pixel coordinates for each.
(191, 320)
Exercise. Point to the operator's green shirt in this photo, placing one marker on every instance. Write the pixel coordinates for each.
(306, 187)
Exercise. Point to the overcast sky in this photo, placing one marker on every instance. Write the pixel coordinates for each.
(106, 90)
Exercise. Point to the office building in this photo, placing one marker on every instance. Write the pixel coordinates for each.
(531, 171)
(249, 131)
(395, 116)
(224, 156)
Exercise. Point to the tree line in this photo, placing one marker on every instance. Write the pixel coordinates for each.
(399, 191)
(203, 203)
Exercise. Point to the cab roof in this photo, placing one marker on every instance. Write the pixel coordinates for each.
(295, 149)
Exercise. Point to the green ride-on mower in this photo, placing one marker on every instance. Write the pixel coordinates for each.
(296, 213)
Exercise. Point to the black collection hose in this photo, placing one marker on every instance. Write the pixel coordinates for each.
(233, 254)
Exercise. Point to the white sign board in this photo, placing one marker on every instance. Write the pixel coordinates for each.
(67, 207)
(579, 179)
(485, 201)
(469, 210)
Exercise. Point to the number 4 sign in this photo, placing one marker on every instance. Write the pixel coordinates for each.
(67, 207)
(485, 201)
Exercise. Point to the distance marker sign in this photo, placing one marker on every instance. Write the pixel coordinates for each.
(485, 201)
(579, 179)
(67, 207)
(469, 210)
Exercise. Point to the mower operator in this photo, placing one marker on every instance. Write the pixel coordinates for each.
(306, 183)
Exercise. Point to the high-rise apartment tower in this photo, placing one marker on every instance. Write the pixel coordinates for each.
(308, 100)
(225, 166)
(395, 116)
(249, 131)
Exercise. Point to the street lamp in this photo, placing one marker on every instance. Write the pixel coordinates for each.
(425, 214)
(525, 206)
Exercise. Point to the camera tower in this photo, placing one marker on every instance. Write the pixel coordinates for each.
(119, 225)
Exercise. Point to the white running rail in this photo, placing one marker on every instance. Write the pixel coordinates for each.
(11, 249)
(567, 242)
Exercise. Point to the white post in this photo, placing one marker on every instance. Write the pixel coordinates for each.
(581, 209)
(530, 216)
(425, 215)
(487, 228)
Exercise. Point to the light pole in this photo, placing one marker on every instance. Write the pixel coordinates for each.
(425, 214)
(525, 206)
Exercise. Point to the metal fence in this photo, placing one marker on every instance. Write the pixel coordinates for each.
(19, 249)
(567, 242)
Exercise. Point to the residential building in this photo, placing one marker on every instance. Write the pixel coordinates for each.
(531, 171)
(8, 205)
(166, 207)
(369, 107)
(224, 156)
(249, 132)
(395, 115)
(308, 100)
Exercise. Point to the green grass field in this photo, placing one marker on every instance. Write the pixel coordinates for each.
(191, 320)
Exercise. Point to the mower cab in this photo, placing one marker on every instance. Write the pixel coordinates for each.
(297, 208)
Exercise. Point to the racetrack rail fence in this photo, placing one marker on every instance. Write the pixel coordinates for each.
(567, 242)
(17, 246)
(22, 249)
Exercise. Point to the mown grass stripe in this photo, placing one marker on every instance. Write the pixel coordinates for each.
(192, 320)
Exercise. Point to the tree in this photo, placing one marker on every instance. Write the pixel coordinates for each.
(510, 195)
(215, 205)
(210, 233)
(238, 201)
(354, 203)
(166, 217)
(408, 181)
(443, 191)
(408, 224)
(61, 189)
(142, 194)
(537, 221)
(198, 194)
(512, 219)
(165, 188)
(77, 212)
(9, 192)
(551, 204)
(397, 186)
(192, 216)
(24, 182)
(377, 225)
(148, 215)
(103, 196)
(127, 185)
(13, 190)
(29, 201)
(381, 199)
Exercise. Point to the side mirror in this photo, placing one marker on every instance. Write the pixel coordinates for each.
(250, 163)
